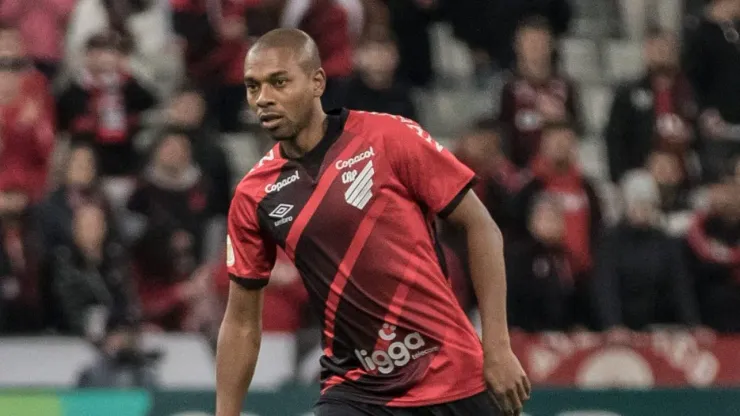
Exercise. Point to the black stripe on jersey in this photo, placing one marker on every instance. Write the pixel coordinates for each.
(446, 211)
(247, 283)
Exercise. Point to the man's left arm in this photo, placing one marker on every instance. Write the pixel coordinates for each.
(440, 182)
(503, 372)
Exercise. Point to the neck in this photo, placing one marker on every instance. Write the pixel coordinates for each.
(308, 137)
(535, 72)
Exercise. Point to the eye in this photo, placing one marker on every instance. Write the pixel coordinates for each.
(252, 88)
(281, 82)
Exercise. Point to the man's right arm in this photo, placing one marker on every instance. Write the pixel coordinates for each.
(238, 347)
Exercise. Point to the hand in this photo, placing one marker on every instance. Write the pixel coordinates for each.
(551, 107)
(507, 380)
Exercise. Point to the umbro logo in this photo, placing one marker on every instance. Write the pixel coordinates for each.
(280, 213)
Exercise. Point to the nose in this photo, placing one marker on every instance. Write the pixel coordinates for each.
(264, 97)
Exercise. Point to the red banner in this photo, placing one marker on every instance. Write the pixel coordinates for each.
(657, 359)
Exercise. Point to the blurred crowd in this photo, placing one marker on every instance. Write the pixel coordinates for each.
(115, 181)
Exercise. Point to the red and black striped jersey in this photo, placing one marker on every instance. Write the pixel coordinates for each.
(356, 216)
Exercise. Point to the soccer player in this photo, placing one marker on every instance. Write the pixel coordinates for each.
(351, 197)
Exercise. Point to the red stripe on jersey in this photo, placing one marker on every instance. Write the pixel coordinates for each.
(394, 312)
(325, 182)
(345, 269)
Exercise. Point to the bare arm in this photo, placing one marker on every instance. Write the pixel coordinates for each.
(485, 247)
(503, 371)
(238, 348)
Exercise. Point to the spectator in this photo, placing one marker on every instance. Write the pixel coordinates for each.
(172, 191)
(170, 284)
(80, 187)
(145, 30)
(26, 118)
(122, 362)
(375, 86)
(186, 114)
(410, 21)
(499, 180)
(214, 35)
(641, 277)
(90, 278)
(20, 293)
(539, 279)
(536, 94)
(327, 22)
(555, 171)
(103, 106)
(657, 111)
(712, 62)
(42, 24)
(714, 258)
(674, 191)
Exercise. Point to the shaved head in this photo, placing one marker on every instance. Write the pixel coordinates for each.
(284, 82)
(297, 42)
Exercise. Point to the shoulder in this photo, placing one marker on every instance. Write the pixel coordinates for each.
(252, 186)
(387, 128)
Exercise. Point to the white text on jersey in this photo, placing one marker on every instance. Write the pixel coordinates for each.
(276, 187)
(398, 354)
(343, 164)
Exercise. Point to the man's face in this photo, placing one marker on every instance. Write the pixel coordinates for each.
(378, 59)
(103, 60)
(187, 109)
(280, 91)
(661, 52)
(173, 153)
(558, 145)
(534, 46)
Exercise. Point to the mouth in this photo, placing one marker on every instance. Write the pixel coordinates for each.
(270, 120)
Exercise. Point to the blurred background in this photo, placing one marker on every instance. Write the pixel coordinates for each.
(605, 133)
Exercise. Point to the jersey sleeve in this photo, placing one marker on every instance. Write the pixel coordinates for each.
(250, 255)
(431, 173)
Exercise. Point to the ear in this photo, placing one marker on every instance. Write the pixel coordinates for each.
(319, 82)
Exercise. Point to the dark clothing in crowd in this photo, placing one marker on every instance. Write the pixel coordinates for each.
(55, 214)
(22, 306)
(491, 25)
(163, 258)
(106, 115)
(410, 24)
(712, 62)
(539, 286)
(640, 279)
(522, 118)
(714, 260)
(394, 100)
(582, 212)
(127, 369)
(79, 284)
(498, 190)
(644, 118)
(213, 161)
(182, 205)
